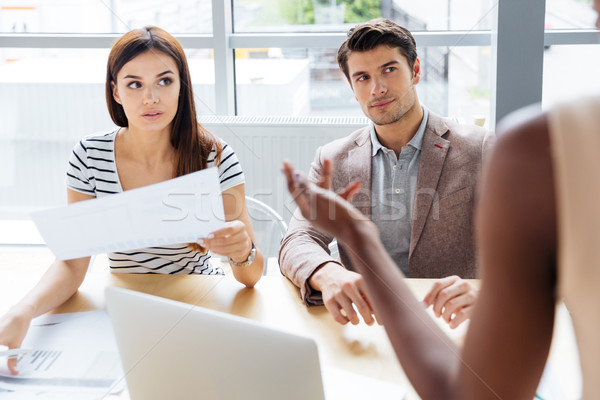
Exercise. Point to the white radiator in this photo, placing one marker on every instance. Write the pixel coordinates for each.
(262, 143)
(33, 171)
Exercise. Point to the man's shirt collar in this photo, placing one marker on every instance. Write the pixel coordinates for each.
(416, 141)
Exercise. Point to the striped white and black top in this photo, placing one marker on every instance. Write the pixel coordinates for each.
(92, 170)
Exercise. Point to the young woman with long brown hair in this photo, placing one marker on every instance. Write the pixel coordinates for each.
(150, 99)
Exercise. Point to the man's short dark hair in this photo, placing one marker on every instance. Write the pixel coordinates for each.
(376, 32)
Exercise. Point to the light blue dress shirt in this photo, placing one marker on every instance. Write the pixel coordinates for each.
(393, 188)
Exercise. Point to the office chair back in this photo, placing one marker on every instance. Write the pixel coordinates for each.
(269, 228)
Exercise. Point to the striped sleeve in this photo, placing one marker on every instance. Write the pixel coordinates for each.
(230, 169)
(78, 173)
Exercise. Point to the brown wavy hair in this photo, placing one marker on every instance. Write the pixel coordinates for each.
(192, 143)
(374, 33)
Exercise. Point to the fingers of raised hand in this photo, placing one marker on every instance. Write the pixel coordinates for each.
(351, 190)
(325, 178)
(288, 171)
(297, 186)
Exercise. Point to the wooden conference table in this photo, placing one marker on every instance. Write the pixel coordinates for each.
(274, 301)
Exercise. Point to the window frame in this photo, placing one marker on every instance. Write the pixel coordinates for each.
(518, 35)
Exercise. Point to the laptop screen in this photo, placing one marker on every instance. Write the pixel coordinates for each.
(175, 350)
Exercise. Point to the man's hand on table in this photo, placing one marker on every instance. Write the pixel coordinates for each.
(452, 298)
(341, 289)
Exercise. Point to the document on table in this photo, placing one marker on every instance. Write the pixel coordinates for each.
(179, 210)
(74, 352)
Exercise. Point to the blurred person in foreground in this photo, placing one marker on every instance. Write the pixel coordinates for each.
(537, 226)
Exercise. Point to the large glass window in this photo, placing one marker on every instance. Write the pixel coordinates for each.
(567, 72)
(569, 14)
(50, 99)
(455, 82)
(440, 14)
(301, 15)
(109, 16)
(468, 96)
(291, 82)
(339, 15)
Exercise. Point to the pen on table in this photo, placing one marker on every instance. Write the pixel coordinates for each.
(12, 353)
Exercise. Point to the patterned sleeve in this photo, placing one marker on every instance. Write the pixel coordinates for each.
(230, 169)
(78, 174)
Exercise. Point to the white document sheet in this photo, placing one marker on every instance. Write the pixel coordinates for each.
(74, 352)
(179, 210)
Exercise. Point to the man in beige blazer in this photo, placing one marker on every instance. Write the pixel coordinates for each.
(418, 173)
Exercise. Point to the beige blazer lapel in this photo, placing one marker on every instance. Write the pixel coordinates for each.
(433, 154)
(359, 168)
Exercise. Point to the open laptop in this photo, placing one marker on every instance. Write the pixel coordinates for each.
(173, 350)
